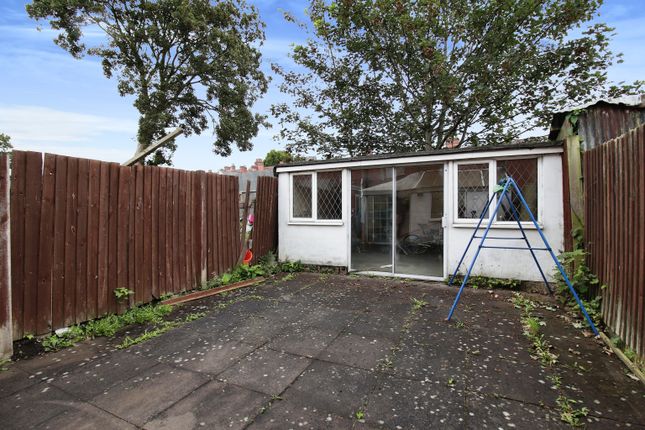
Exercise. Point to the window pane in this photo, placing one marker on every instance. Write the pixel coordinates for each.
(472, 195)
(301, 198)
(524, 173)
(330, 201)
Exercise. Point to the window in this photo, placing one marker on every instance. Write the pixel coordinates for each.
(524, 173)
(317, 196)
(329, 191)
(473, 190)
(475, 183)
(302, 196)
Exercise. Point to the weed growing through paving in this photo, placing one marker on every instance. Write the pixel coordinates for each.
(4, 364)
(531, 325)
(106, 326)
(568, 413)
(359, 414)
(159, 330)
(418, 304)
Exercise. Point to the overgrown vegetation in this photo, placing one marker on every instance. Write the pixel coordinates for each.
(163, 327)
(531, 325)
(106, 326)
(487, 283)
(122, 293)
(568, 413)
(586, 284)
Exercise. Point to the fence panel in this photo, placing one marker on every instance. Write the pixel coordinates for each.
(615, 231)
(82, 228)
(265, 228)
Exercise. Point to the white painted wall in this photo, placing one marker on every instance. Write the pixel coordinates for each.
(313, 243)
(515, 264)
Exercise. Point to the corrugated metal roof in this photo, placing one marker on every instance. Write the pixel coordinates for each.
(633, 102)
(530, 143)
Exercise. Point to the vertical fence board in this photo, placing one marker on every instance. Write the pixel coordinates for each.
(17, 221)
(161, 231)
(138, 236)
(123, 218)
(6, 321)
(80, 313)
(154, 234)
(58, 275)
(92, 238)
(70, 240)
(46, 250)
(102, 260)
(113, 232)
(33, 190)
(615, 231)
(176, 279)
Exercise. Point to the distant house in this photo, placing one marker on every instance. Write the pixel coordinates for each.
(245, 174)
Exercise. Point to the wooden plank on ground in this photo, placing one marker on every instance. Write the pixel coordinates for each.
(46, 246)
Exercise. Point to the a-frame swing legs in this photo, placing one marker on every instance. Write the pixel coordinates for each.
(479, 248)
(510, 182)
(516, 215)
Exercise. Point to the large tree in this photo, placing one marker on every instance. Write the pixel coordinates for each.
(393, 75)
(188, 63)
(5, 143)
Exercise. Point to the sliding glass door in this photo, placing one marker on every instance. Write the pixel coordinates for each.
(396, 216)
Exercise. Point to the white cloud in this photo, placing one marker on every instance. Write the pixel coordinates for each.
(30, 124)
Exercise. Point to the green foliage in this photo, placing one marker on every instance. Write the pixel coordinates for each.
(531, 324)
(189, 63)
(291, 266)
(417, 304)
(122, 293)
(568, 413)
(394, 76)
(147, 335)
(106, 326)
(275, 157)
(4, 364)
(194, 316)
(5, 143)
(578, 273)
(359, 415)
(487, 283)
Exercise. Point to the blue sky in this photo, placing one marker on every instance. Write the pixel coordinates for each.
(51, 102)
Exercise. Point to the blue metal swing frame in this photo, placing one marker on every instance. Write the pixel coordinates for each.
(509, 183)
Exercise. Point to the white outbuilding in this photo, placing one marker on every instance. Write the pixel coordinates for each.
(411, 215)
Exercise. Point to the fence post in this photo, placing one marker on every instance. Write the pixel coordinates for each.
(6, 326)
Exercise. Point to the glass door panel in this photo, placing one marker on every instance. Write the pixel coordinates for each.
(419, 210)
(371, 218)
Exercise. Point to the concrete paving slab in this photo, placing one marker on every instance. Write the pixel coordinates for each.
(334, 388)
(15, 379)
(266, 370)
(305, 341)
(215, 405)
(291, 414)
(212, 358)
(491, 412)
(83, 416)
(138, 399)
(34, 405)
(91, 378)
(357, 350)
(407, 404)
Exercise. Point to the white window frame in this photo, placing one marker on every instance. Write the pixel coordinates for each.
(492, 182)
(314, 200)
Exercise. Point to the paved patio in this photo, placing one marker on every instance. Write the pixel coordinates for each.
(328, 351)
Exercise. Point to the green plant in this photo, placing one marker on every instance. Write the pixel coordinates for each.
(568, 413)
(359, 415)
(147, 335)
(460, 324)
(291, 266)
(418, 304)
(487, 283)
(194, 316)
(4, 364)
(122, 293)
(288, 277)
(451, 382)
(580, 276)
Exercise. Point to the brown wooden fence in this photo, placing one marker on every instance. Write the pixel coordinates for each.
(82, 228)
(615, 231)
(265, 230)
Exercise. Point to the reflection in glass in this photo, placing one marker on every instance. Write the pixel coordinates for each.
(419, 212)
(371, 218)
